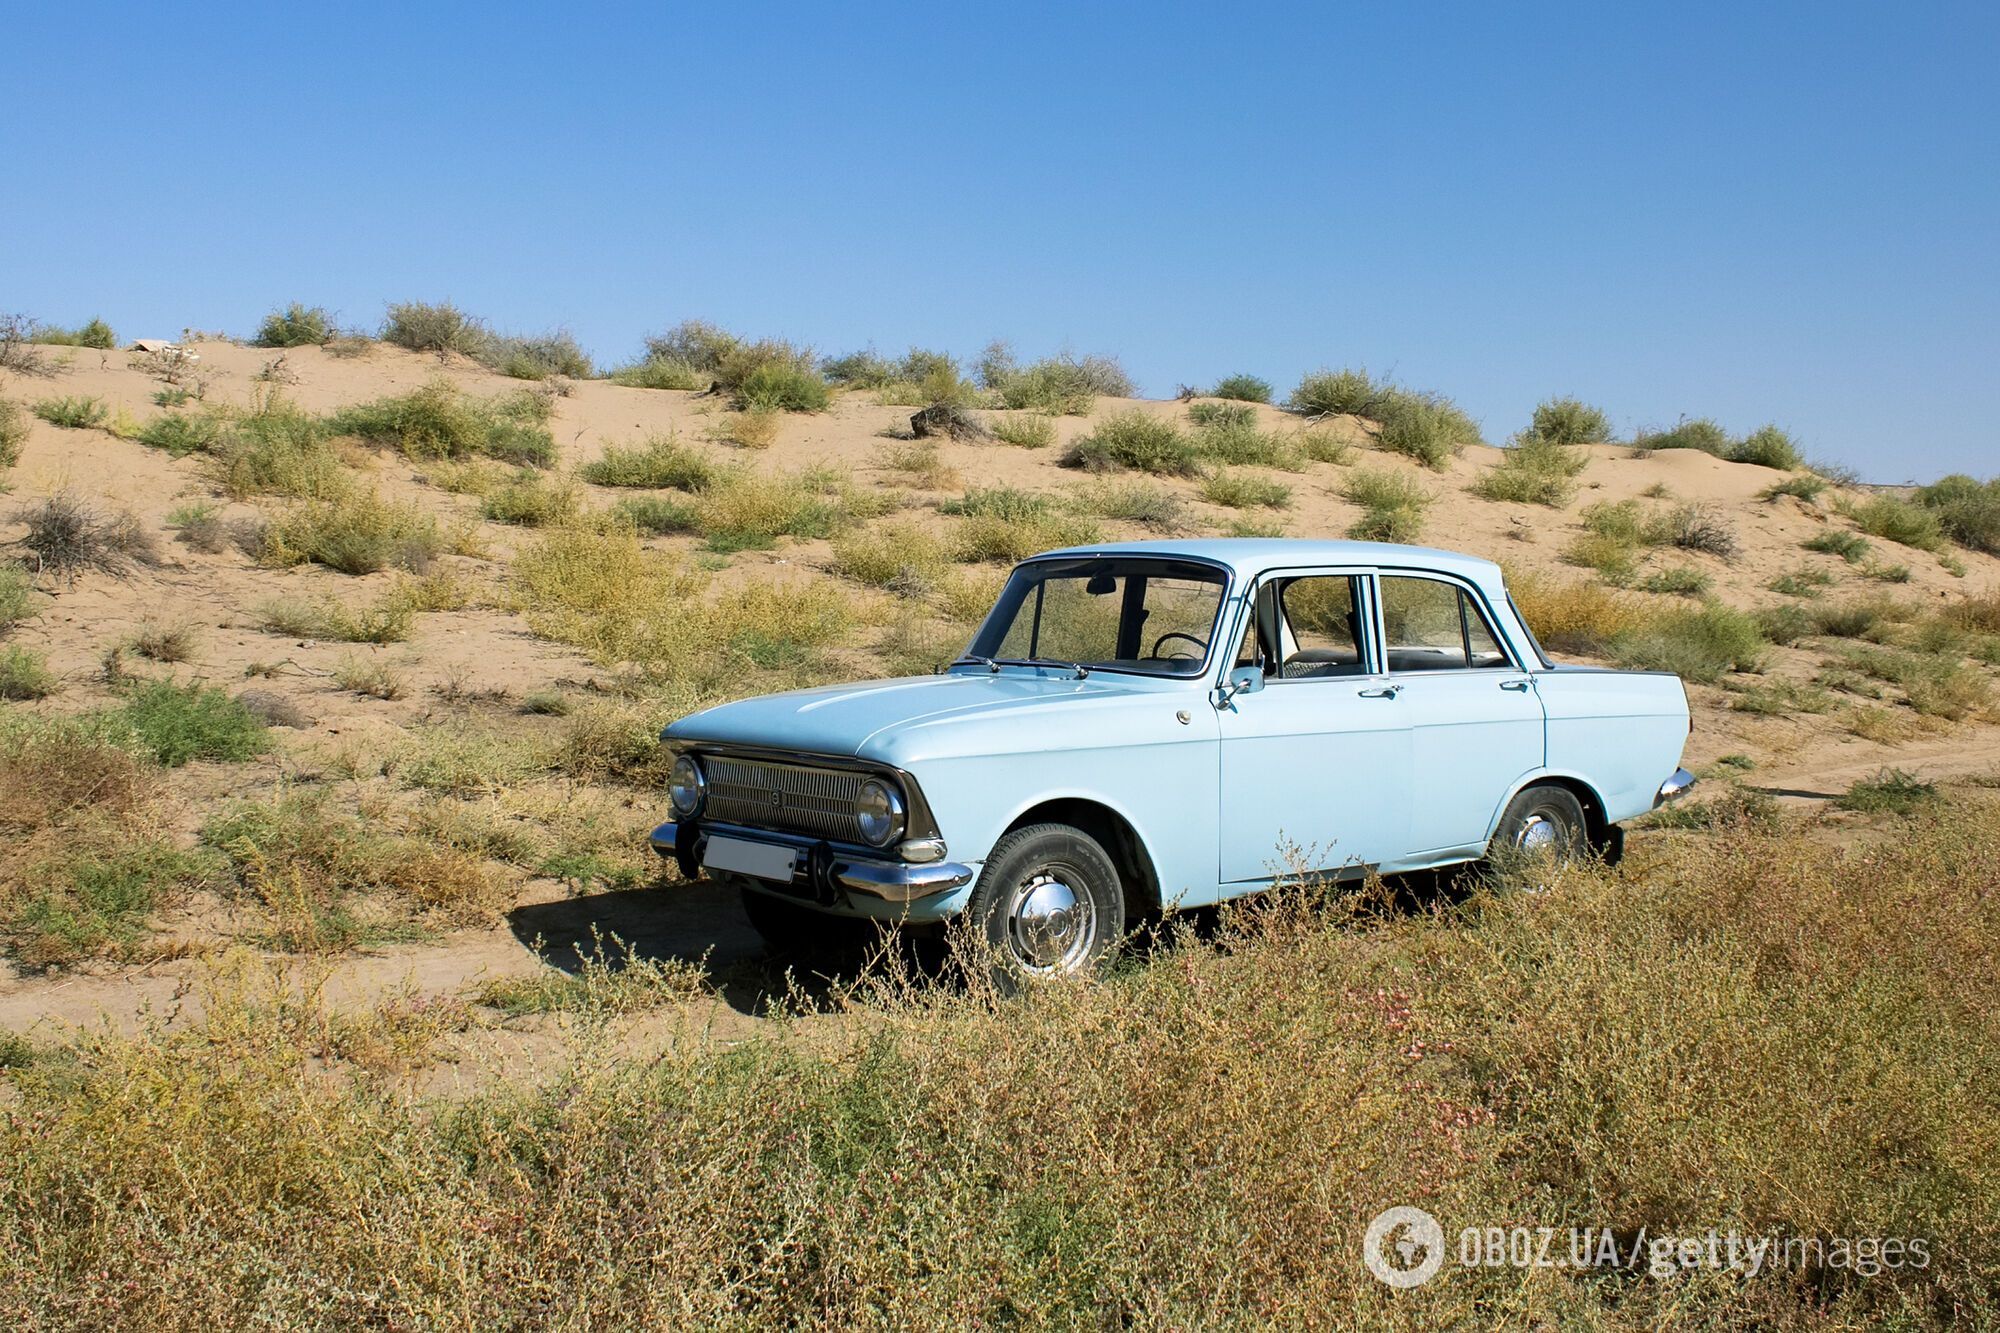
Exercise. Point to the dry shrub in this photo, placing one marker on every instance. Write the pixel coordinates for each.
(53, 768)
(633, 608)
(1575, 616)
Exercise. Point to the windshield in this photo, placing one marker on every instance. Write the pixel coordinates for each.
(1113, 613)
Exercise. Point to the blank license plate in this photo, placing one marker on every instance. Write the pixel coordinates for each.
(759, 859)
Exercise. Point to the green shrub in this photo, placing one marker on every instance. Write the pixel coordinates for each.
(1331, 392)
(1767, 446)
(538, 357)
(661, 373)
(16, 596)
(1139, 441)
(1393, 505)
(1890, 791)
(1807, 486)
(1702, 434)
(907, 561)
(658, 515)
(355, 533)
(388, 620)
(182, 433)
(441, 328)
(13, 432)
(437, 421)
(1698, 644)
(1680, 581)
(1849, 546)
(1221, 414)
(1025, 430)
(1424, 427)
(870, 370)
(662, 462)
(1060, 386)
(96, 335)
(778, 386)
(1149, 505)
(1693, 527)
(694, 343)
(530, 500)
(277, 449)
(1568, 421)
(1240, 443)
(296, 325)
(75, 412)
(1006, 503)
(1323, 446)
(1896, 520)
(24, 674)
(1534, 471)
(1780, 698)
(94, 897)
(1238, 490)
(1968, 511)
(1806, 582)
(1243, 389)
(179, 723)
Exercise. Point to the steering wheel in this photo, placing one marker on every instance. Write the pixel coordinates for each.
(1201, 645)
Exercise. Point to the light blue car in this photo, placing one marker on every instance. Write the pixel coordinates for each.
(1156, 725)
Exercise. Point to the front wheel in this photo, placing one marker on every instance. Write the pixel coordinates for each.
(1048, 904)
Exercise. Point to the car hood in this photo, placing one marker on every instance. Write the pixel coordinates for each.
(906, 714)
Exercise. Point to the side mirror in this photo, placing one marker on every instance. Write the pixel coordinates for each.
(1242, 680)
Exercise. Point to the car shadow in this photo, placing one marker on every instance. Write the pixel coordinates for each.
(702, 925)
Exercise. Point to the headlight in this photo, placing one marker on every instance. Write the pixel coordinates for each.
(878, 810)
(686, 787)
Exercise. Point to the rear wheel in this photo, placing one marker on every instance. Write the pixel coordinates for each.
(1542, 824)
(1048, 904)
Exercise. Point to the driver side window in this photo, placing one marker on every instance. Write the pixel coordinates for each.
(1319, 627)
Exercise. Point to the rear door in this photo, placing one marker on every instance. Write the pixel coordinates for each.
(1476, 721)
(1315, 766)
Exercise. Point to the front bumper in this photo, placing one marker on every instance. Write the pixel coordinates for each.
(824, 869)
(1673, 788)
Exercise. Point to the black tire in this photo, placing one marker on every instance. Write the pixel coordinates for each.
(1047, 904)
(797, 929)
(1543, 819)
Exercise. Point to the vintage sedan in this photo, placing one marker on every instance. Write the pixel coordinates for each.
(1146, 726)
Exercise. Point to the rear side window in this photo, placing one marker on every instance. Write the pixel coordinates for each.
(1430, 625)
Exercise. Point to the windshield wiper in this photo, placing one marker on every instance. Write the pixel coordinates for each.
(976, 660)
(1082, 671)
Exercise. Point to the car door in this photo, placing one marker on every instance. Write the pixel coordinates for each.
(1476, 721)
(1318, 759)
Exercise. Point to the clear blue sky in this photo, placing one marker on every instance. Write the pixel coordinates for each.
(1756, 212)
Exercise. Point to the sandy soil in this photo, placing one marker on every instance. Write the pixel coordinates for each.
(467, 666)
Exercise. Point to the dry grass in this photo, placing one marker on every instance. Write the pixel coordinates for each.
(1334, 1063)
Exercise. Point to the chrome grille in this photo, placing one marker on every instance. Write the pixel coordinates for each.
(794, 798)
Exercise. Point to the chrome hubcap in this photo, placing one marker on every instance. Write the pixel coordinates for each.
(1049, 923)
(1538, 834)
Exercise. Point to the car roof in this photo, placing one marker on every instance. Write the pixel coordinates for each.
(1250, 556)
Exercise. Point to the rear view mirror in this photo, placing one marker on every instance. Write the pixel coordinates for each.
(1101, 585)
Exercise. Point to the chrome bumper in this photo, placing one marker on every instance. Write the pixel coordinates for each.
(891, 881)
(1673, 788)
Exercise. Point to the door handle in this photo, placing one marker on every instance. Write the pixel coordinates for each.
(1384, 692)
(1514, 684)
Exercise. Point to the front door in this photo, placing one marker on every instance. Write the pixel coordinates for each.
(1315, 765)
